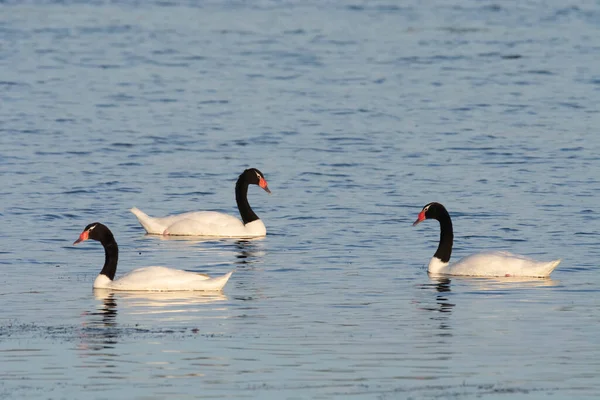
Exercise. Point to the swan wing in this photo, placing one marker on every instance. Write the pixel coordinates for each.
(194, 223)
(206, 223)
(157, 225)
(501, 263)
(168, 279)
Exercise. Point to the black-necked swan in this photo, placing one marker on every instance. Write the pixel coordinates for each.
(497, 263)
(212, 223)
(148, 278)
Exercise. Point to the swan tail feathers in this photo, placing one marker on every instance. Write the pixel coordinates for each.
(219, 282)
(546, 269)
(150, 224)
(552, 265)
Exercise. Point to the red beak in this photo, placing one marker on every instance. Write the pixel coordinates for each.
(85, 235)
(263, 184)
(420, 218)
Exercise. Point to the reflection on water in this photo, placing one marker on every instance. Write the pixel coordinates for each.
(183, 239)
(100, 330)
(250, 252)
(198, 239)
(442, 306)
(316, 309)
(247, 251)
(173, 308)
(505, 283)
(441, 286)
(158, 299)
(109, 311)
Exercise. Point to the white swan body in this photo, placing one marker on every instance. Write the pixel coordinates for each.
(148, 278)
(494, 263)
(162, 279)
(212, 223)
(200, 223)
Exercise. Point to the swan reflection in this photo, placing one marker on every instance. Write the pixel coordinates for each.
(99, 329)
(161, 300)
(198, 239)
(441, 285)
(249, 252)
(442, 307)
(107, 313)
(503, 283)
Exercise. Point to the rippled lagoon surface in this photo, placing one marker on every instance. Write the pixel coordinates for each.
(358, 113)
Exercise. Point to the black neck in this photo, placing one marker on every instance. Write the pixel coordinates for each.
(444, 249)
(241, 197)
(111, 253)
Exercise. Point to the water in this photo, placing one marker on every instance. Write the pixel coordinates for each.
(358, 114)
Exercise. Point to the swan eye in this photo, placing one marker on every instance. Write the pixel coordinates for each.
(92, 227)
(258, 176)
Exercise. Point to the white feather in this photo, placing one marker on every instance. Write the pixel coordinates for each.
(162, 279)
(495, 263)
(200, 223)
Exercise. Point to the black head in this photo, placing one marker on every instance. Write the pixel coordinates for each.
(255, 177)
(95, 231)
(431, 211)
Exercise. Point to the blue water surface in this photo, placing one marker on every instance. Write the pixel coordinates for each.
(358, 113)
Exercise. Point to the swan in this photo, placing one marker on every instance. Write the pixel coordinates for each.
(212, 223)
(495, 263)
(148, 278)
